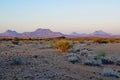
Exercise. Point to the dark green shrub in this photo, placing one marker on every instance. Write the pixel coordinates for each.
(104, 41)
(101, 54)
(16, 61)
(35, 56)
(15, 42)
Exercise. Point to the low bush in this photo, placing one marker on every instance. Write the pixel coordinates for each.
(107, 60)
(118, 62)
(72, 57)
(104, 41)
(63, 45)
(53, 43)
(16, 61)
(15, 41)
(107, 72)
(82, 41)
(101, 54)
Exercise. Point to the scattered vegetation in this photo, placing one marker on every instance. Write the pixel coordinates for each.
(82, 54)
(99, 40)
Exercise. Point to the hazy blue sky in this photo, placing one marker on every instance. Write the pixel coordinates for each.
(60, 15)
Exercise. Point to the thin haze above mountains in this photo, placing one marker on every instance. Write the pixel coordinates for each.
(49, 33)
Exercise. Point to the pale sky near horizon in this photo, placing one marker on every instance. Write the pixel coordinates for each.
(66, 16)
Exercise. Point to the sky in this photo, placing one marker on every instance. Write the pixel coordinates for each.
(66, 16)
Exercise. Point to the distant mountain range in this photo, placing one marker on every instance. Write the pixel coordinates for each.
(37, 33)
(42, 33)
(48, 33)
(98, 33)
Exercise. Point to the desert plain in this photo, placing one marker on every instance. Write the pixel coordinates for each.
(39, 61)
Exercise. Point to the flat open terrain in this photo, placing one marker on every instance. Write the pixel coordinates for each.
(41, 62)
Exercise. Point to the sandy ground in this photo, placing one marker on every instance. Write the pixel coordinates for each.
(50, 64)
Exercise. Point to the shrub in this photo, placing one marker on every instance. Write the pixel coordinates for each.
(101, 54)
(111, 40)
(73, 58)
(15, 41)
(35, 56)
(82, 41)
(92, 60)
(118, 62)
(107, 72)
(53, 43)
(63, 45)
(16, 61)
(107, 60)
(104, 41)
(88, 43)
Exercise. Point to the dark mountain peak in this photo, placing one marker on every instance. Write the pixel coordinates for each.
(42, 33)
(100, 33)
(42, 30)
(74, 34)
(10, 33)
(10, 30)
(78, 34)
